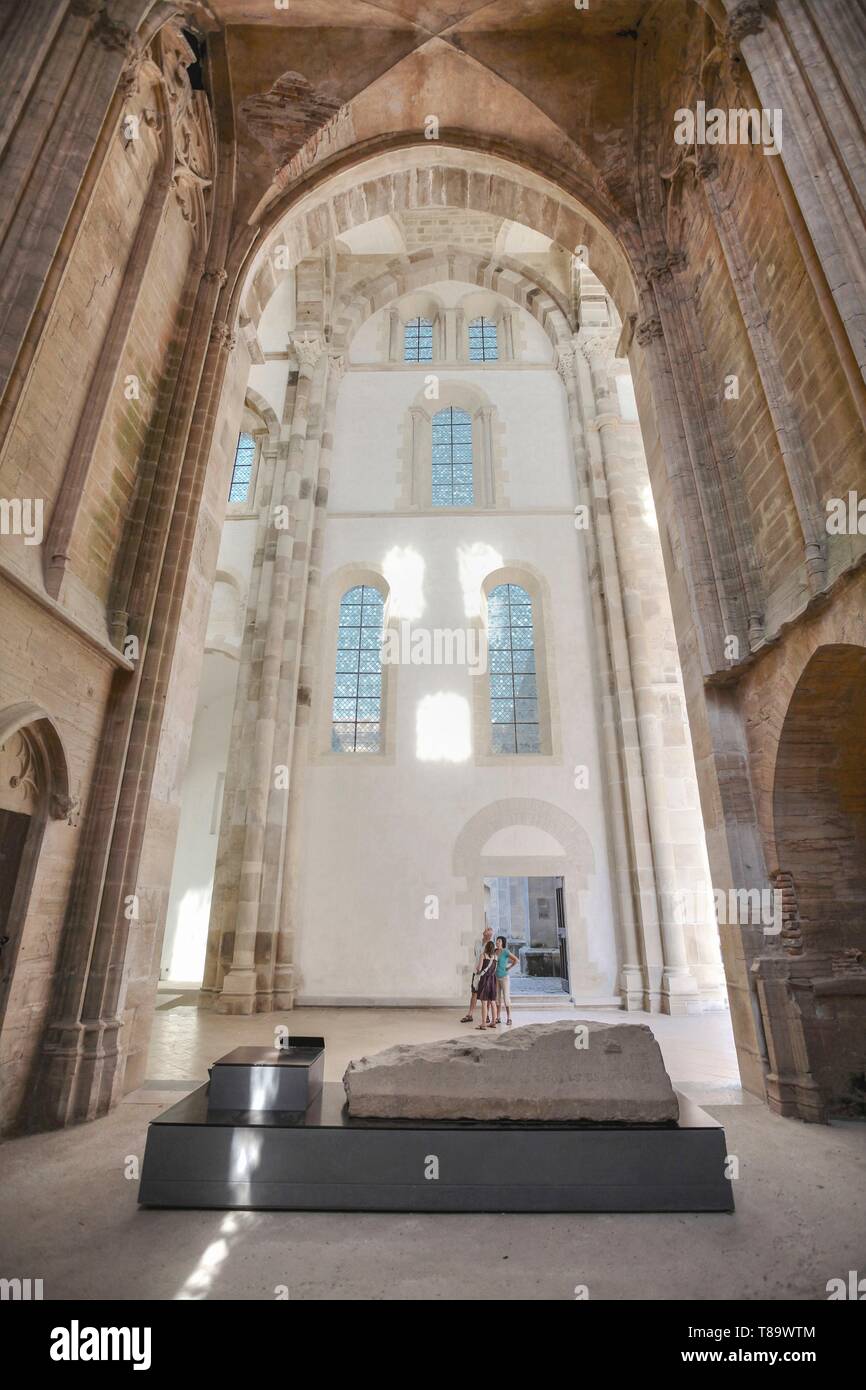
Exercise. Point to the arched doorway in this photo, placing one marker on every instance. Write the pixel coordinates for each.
(34, 787)
(819, 813)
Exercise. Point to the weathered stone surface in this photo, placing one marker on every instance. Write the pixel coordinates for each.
(531, 1073)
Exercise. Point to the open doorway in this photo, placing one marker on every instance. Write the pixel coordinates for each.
(530, 913)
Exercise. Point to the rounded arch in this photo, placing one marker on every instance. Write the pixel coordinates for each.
(501, 276)
(468, 857)
(487, 449)
(335, 588)
(264, 413)
(527, 578)
(819, 798)
(34, 790)
(364, 184)
(41, 729)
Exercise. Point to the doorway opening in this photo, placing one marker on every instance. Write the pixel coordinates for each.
(530, 914)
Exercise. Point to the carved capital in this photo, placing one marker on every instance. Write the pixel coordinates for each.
(116, 36)
(222, 334)
(566, 359)
(215, 277)
(65, 807)
(647, 330)
(308, 349)
(663, 266)
(597, 346)
(744, 19)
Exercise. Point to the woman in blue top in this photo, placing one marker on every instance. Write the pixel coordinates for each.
(505, 961)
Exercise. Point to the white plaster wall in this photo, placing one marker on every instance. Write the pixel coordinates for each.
(185, 940)
(379, 835)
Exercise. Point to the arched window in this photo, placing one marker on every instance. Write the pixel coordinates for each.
(242, 470)
(452, 459)
(513, 680)
(483, 344)
(418, 341)
(357, 710)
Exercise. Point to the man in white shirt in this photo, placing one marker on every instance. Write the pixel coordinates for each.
(486, 935)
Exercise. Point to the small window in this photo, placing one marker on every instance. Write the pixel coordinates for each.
(242, 471)
(513, 679)
(418, 341)
(483, 345)
(357, 709)
(452, 459)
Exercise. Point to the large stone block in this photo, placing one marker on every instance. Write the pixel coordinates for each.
(543, 1071)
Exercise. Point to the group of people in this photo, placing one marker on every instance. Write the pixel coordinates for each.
(491, 987)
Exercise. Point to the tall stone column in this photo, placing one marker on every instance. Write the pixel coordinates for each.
(633, 984)
(248, 986)
(647, 688)
(310, 630)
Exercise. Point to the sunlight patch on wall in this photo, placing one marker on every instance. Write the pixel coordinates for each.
(474, 563)
(190, 938)
(403, 568)
(443, 730)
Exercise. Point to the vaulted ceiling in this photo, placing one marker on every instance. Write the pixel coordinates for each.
(548, 84)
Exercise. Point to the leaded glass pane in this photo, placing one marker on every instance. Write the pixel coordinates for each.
(357, 704)
(513, 687)
(451, 474)
(483, 342)
(418, 341)
(242, 469)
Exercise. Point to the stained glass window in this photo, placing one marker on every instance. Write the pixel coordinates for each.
(418, 341)
(242, 471)
(513, 679)
(357, 708)
(452, 458)
(483, 346)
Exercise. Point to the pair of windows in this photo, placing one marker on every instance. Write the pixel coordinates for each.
(357, 707)
(418, 340)
(451, 461)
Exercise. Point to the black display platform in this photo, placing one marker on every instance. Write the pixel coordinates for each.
(269, 1078)
(325, 1160)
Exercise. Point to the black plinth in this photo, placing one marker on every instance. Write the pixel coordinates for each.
(269, 1078)
(322, 1159)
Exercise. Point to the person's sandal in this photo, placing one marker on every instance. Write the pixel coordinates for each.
(467, 1018)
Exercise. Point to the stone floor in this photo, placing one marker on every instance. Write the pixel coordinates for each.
(68, 1212)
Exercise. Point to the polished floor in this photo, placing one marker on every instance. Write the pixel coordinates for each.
(69, 1215)
(698, 1052)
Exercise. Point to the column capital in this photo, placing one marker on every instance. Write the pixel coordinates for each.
(647, 330)
(308, 349)
(597, 346)
(566, 360)
(744, 19)
(222, 334)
